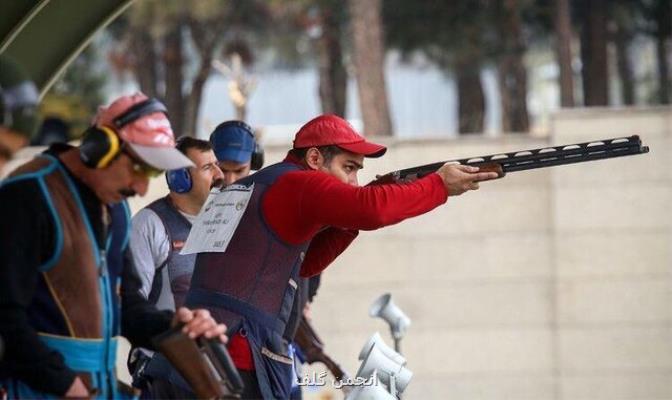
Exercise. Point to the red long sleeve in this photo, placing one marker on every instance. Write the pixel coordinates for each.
(301, 203)
(324, 248)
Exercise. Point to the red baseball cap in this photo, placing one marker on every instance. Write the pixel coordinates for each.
(150, 135)
(330, 129)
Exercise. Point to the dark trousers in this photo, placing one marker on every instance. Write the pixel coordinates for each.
(161, 389)
(251, 391)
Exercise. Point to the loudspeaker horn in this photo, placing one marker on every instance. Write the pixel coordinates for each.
(376, 360)
(378, 341)
(383, 307)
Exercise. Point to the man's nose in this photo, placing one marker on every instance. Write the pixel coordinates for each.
(218, 175)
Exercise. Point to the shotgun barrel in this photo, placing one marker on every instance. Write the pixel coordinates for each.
(532, 159)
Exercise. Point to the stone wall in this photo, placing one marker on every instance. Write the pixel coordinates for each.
(548, 284)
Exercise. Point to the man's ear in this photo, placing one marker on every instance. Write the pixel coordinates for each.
(314, 159)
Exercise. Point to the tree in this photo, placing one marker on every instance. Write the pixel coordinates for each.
(511, 71)
(153, 45)
(333, 76)
(658, 17)
(452, 35)
(622, 33)
(663, 34)
(369, 57)
(324, 22)
(470, 95)
(594, 71)
(563, 46)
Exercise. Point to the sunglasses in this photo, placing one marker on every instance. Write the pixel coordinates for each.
(141, 168)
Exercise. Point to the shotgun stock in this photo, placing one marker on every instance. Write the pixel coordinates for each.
(313, 348)
(204, 363)
(530, 159)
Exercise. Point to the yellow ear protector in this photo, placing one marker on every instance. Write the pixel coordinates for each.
(101, 144)
(99, 147)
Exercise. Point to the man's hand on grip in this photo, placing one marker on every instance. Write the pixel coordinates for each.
(459, 178)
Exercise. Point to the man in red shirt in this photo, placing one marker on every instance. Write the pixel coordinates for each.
(297, 217)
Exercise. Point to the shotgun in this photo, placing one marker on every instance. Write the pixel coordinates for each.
(205, 364)
(313, 348)
(530, 159)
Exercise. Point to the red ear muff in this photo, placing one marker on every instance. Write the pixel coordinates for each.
(100, 145)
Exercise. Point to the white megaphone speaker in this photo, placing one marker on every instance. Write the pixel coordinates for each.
(380, 344)
(390, 372)
(385, 308)
(370, 392)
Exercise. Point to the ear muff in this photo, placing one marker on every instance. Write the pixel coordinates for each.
(179, 180)
(99, 147)
(257, 160)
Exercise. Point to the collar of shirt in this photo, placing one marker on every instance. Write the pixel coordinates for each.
(292, 159)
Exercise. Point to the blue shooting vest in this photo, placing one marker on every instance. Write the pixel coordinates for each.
(251, 286)
(172, 278)
(75, 309)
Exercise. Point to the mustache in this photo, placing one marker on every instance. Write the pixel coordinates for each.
(217, 184)
(127, 192)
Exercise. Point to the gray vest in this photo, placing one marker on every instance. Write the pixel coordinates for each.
(173, 277)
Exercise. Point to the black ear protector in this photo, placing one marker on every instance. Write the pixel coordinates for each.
(101, 145)
(257, 160)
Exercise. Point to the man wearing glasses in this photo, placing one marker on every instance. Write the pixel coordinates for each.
(65, 264)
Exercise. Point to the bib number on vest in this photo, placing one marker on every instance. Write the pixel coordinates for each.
(215, 225)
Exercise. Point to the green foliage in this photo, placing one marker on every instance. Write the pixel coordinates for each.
(75, 97)
(449, 32)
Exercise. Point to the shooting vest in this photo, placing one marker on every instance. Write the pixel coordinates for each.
(296, 314)
(251, 286)
(172, 278)
(78, 286)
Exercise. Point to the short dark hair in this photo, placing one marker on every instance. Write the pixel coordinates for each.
(328, 152)
(187, 142)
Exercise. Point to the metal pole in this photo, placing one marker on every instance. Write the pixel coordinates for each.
(397, 344)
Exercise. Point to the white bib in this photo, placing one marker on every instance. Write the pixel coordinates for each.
(216, 223)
